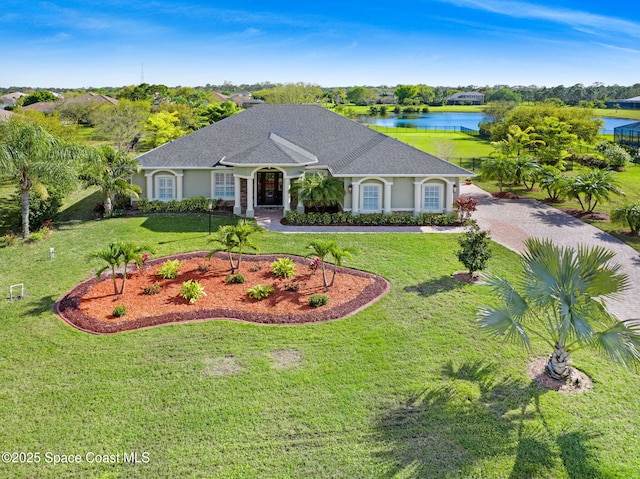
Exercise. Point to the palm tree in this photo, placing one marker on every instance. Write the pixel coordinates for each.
(321, 249)
(593, 187)
(32, 157)
(111, 170)
(235, 238)
(499, 168)
(112, 256)
(554, 182)
(132, 253)
(324, 248)
(339, 256)
(560, 298)
(317, 190)
(117, 254)
(629, 214)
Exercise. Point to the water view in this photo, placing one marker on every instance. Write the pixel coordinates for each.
(453, 121)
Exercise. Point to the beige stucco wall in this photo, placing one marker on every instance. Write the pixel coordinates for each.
(196, 183)
(402, 194)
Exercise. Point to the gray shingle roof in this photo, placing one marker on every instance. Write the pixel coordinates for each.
(297, 134)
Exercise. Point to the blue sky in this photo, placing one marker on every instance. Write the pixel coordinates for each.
(441, 42)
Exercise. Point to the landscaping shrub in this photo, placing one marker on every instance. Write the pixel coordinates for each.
(10, 238)
(169, 269)
(234, 278)
(39, 235)
(317, 300)
(474, 252)
(371, 219)
(119, 310)
(188, 205)
(591, 161)
(153, 289)
(260, 291)
(192, 291)
(283, 268)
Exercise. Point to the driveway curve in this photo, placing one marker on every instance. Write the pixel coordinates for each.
(511, 222)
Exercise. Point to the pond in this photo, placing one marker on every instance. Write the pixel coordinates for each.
(452, 121)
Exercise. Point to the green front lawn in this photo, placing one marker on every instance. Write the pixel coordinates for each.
(409, 387)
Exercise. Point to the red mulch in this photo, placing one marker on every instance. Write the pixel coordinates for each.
(506, 195)
(584, 215)
(89, 306)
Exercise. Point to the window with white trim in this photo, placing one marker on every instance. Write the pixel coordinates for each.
(165, 187)
(432, 198)
(371, 197)
(224, 186)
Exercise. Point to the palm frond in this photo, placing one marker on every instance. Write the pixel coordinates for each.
(621, 343)
(501, 321)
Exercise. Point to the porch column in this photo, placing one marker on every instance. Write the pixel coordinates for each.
(355, 198)
(448, 198)
(417, 204)
(286, 183)
(149, 177)
(179, 186)
(250, 213)
(237, 202)
(387, 198)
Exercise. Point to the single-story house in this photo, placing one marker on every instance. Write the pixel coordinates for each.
(10, 99)
(87, 98)
(5, 115)
(628, 104)
(252, 158)
(466, 98)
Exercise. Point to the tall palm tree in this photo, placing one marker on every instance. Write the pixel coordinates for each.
(594, 187)
(34, 158)
(111, 170)
(317, 190)
(560, 297)
(235, 238)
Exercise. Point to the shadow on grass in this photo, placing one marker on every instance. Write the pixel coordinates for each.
(40, 305)
(442, 284)
(185, 223)
(80, 211)
(457, 428)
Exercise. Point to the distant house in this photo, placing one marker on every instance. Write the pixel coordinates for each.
(88, 98)
(10, 99)
(628, 104)
(5, 115)
(466, 98)
(252, 158)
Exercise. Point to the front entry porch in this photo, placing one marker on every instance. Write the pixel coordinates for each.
(265, 188)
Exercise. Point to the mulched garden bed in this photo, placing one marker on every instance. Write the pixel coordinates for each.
(507, 195)
(585, 215)
(89, 306)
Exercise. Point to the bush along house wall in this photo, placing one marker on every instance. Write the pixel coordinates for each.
(371, 219)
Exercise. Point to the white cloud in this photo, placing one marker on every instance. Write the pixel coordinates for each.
(577, 19)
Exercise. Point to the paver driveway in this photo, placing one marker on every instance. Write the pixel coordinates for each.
(512, 221)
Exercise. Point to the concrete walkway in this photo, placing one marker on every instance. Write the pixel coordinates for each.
(510, 223)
